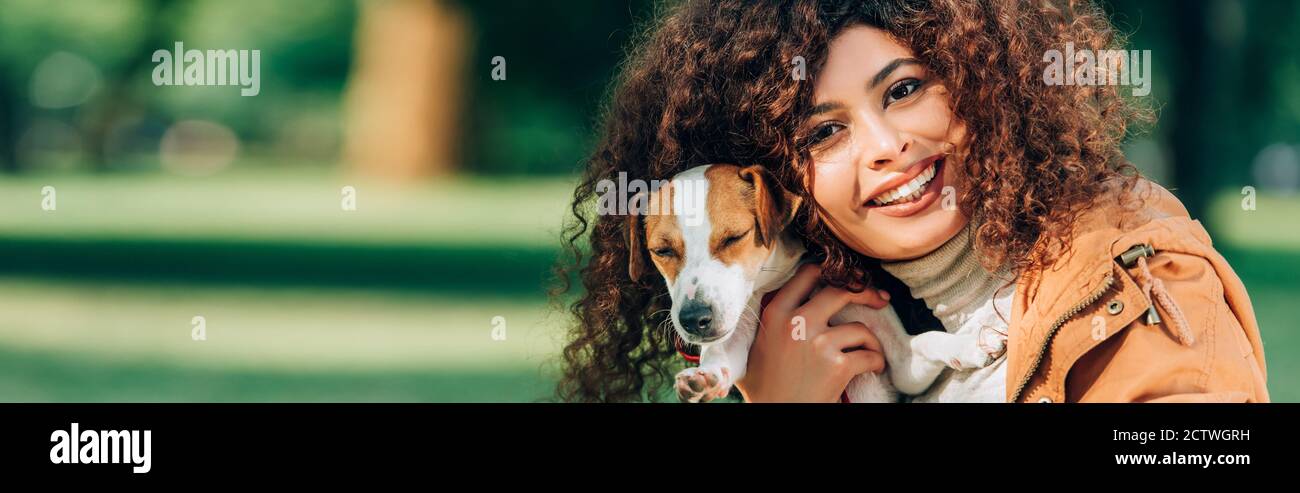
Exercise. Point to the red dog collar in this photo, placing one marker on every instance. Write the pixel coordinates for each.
(681, 349)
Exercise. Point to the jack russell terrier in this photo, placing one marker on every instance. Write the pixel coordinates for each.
(716, 235)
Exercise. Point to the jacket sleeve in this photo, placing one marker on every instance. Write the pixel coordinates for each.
(1198, 352)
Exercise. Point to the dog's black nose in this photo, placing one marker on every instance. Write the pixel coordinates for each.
(696, 318)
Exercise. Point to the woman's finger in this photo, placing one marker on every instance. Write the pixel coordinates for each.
(830, 301)
(851, 335)
(826, 303)
(858, 362)
(874, 298)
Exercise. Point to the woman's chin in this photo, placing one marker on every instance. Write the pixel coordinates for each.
(918, 237)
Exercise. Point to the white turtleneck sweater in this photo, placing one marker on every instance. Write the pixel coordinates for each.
(966, 298)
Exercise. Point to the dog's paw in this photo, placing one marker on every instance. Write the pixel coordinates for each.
(993, 342)
(701, 385)
(970, 360)
(979, 350)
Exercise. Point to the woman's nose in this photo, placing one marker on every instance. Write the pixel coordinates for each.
(881, 144)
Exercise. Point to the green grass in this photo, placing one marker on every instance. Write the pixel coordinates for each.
(1263, 247)
(303, 301)
(287, 205)
(1275, 308)
(1270, 225)
(60, 377)
(131, 338)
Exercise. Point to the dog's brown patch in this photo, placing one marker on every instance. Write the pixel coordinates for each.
(745, 209)
(732, 210)
(662, 231)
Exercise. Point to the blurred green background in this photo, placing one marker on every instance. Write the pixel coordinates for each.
(176, 202)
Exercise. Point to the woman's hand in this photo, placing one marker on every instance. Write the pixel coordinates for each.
(818, 367)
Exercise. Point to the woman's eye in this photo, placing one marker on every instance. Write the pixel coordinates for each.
(902, 90)
(823, 132)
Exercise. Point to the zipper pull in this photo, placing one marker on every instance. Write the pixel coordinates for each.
(1128, 259)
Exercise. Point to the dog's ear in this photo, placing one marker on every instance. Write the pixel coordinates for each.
(633, 224)
(773, 204)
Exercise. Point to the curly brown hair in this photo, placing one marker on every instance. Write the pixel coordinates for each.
(710, 81)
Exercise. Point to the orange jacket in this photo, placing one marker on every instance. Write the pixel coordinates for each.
(1082, 330)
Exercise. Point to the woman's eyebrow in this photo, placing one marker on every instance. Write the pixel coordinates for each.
(875, 81)
(825, 107)
(884, 72)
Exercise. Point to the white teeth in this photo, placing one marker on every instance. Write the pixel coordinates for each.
(909, 191)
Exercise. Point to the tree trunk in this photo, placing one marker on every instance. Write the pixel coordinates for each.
(404, 95)
(117, 99)
(1207, 149)
(9, 101)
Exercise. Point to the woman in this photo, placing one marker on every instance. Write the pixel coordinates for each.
(930, 148)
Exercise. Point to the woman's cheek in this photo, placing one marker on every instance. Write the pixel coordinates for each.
(936, 118)
(832, 184)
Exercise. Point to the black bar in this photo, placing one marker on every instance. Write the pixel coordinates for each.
(428, 440)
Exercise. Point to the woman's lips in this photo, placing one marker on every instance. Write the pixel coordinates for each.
(932, 192)
(900, 179)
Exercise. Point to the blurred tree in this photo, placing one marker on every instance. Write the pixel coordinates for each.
(1224, 66)
(117, 98)
(8, 124)
(8, 115)
(1197, 105)
(404, 95)
(31, 31)
(1270, 77)
(561, 58)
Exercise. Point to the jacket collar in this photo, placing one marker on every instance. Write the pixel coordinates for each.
(1047, 298)
(1039, 307)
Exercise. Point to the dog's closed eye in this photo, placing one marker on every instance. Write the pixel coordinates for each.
(730, 240)
(663, 252)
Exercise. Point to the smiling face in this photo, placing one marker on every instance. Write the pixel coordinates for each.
(882, 138)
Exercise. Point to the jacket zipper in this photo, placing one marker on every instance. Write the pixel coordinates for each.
(1105, 286)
